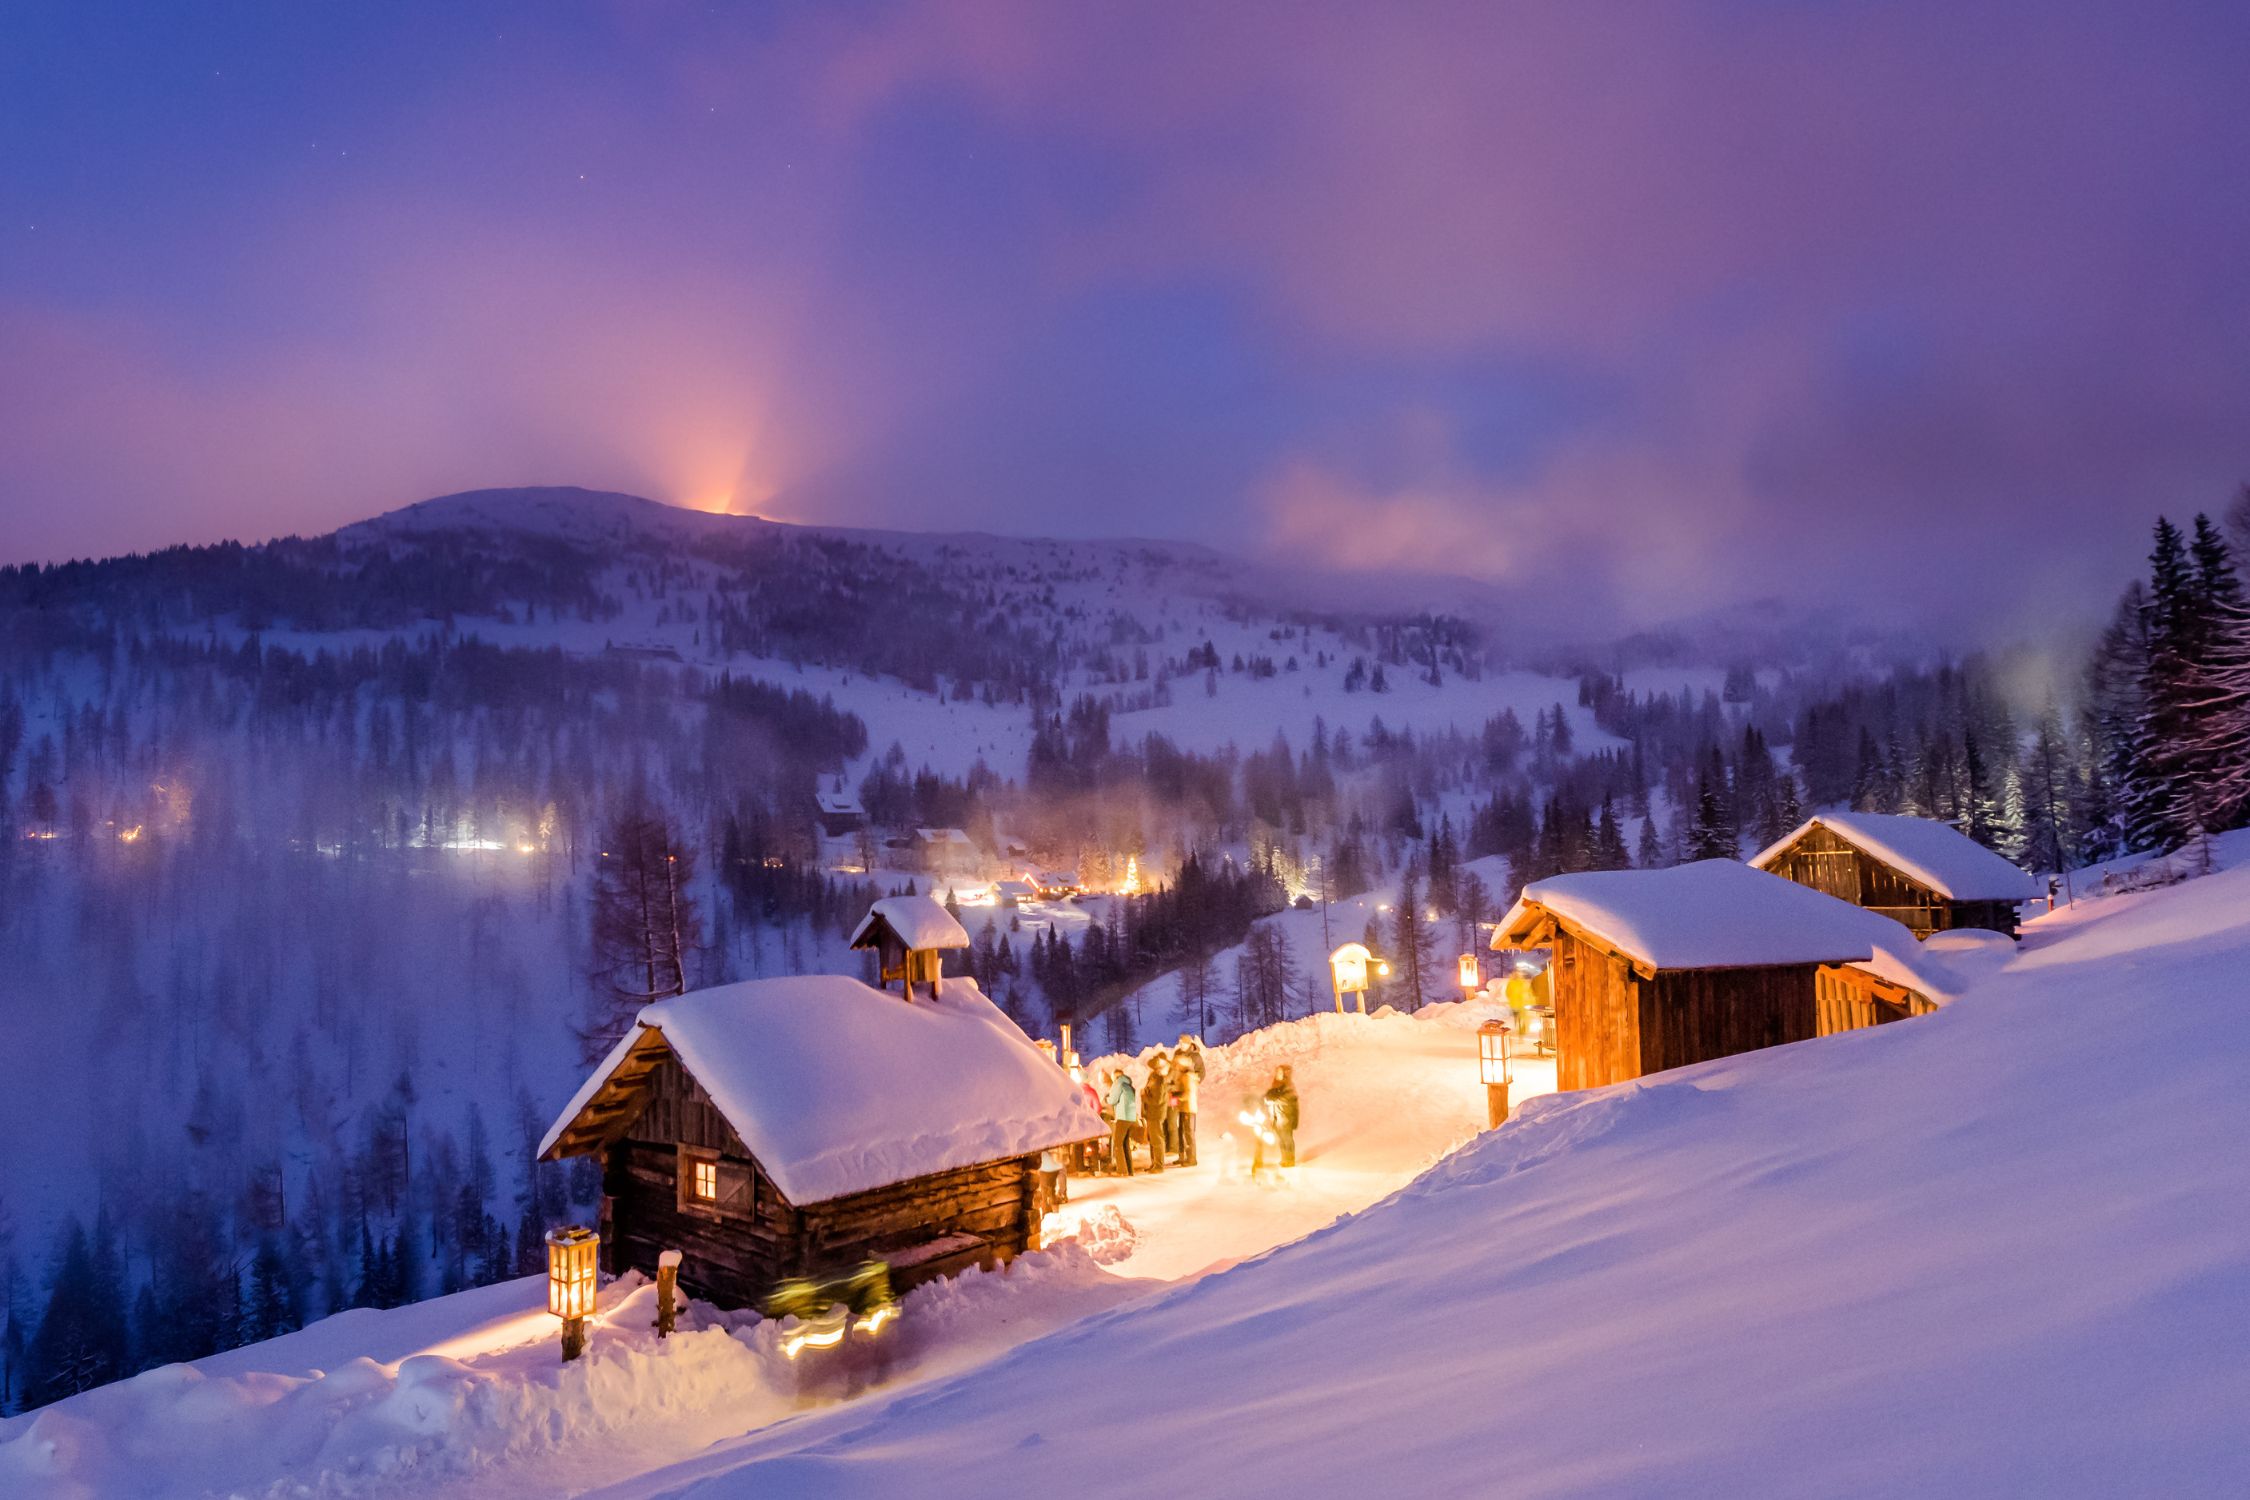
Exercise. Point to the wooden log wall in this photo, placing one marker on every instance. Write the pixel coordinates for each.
(992, 1202)
(734, 1252)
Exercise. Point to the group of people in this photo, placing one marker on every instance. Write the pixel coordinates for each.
(1159, 1112)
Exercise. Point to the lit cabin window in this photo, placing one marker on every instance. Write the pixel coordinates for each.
(706, 1184)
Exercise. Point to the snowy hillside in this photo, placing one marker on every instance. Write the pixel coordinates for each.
(2001, 1250)
(318, 825)
(462, 1395)
(2004, 1249)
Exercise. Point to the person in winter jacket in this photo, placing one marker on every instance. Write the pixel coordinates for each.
(1089, 1152)
(1124, 1113)
(1190, 1052)
(1156, 1108)
(1187, 1085)
(1281, 1110)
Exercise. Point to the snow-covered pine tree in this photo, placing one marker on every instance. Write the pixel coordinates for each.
(2171, 804)
(2220, 729)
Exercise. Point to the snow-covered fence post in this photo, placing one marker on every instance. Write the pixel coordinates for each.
(667, 1284)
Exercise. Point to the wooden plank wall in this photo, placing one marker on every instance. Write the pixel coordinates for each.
(1850, 999)
(1694, 1015)
(1827, 863)
(1597, 1015)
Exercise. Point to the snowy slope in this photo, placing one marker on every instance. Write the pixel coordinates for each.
(2001, 1250)
(462, 1395)
(2004, 1249)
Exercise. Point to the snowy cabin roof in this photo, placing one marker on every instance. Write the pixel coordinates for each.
(1714, 914)
(838, 802)
(1930, 853)
(920, 922)
(952, 837)
(837, 1088)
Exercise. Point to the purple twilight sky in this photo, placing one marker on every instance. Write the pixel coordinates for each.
(1682, 303)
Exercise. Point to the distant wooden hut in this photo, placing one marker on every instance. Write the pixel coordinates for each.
(1657, 969)
(910, 936)
(947, 852)
(785, 1128)
(1917, 871)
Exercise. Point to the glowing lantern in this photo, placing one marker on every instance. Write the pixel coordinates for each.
(1472, 978)
(1348, 965)
(1493, 1069)
(571, 1255)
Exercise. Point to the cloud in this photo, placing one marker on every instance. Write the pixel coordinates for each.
(1919, 305)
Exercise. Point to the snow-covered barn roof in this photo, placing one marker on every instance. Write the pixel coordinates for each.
(919, 922)
(951, 836)
(1714, 914)
(1928, 852)
(837, 1088)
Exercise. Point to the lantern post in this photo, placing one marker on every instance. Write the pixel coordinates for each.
(1472, 978)
(572, 1254)
(1493, 1068)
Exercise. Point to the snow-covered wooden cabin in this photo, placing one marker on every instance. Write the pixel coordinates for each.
(948, 852)
(910, 936)
(1657, 969)
(1926, 874)
(780, 1128)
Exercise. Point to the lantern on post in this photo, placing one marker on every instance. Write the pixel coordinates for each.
(571, 1254)
(1472, 978)
(1348, 967)
(1492, 1067)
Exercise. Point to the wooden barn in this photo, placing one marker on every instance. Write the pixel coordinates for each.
(1917, 871)
(911, 936)
(785, 1128)
(1657, 969)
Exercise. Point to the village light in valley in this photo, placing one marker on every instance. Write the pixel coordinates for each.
(572, 1252)
(1493, 1069)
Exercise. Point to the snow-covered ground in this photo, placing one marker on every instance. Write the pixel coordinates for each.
(2004, 1249)
(464, 1396)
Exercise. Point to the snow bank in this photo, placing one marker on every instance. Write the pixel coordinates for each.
(837, 1088)
(1976, 1253)
(1713, 914)
(500, 1414)
(1938, 855)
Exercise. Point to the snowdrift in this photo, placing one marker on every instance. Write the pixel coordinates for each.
(2003, 1249)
